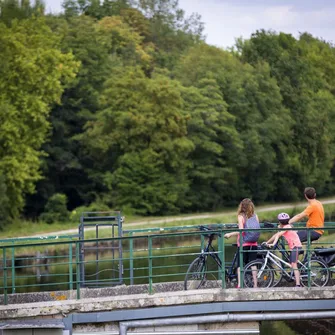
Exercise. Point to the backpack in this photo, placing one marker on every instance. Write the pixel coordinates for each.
(251, 236)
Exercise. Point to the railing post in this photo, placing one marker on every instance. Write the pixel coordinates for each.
(150, 263)
(131, 258)
(202, 243)
(5, 289)
(70, 267)
(78, 267)
(241, 259)
(222, 257)
(13, 270)
(309, 256)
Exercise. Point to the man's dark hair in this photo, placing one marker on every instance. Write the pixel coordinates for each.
(310, 192)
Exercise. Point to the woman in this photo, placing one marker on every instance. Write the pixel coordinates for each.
(247, 219)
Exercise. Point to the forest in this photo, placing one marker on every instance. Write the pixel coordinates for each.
(122, 104)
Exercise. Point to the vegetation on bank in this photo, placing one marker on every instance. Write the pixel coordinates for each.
(265, 213)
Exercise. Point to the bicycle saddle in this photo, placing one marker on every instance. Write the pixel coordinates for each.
(268, 225)
(207, 229)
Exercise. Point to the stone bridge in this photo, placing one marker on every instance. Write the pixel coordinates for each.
(170, 310)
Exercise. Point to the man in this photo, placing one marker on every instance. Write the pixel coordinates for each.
(315, 214)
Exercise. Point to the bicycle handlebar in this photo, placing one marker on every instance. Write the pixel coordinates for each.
(264, 245)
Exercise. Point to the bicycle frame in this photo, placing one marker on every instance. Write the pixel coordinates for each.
(280, 246)
(273, 260)
(209, 250)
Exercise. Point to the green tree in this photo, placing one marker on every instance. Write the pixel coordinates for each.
(32, 74)
(94, 8)
(4, 201)
(124, 42)
(64, 166)
(170, 31)
(253, 99)
(15, 9)
(210, 127)
(303, 71)
(139, 143)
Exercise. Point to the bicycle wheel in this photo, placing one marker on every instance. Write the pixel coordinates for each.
(196, 274)
(278, 274)
(319, 273)
(264, 274)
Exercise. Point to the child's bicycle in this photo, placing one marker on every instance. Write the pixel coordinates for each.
(325, 255)
(276, 268)
(280, 251)
(198, 272)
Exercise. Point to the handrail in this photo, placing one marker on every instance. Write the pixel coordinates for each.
(149, 256)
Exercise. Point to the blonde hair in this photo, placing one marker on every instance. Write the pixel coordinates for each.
(246, 208)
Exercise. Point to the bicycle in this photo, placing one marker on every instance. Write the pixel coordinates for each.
(278, 274)
(271, 265)
(196, 275)
(326, 255)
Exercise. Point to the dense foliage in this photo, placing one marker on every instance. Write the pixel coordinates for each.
(121, 103)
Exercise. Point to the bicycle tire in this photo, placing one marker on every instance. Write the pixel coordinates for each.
(278, 271)
(264, 279)
(320, 275)
(278, 275)
(196, 274)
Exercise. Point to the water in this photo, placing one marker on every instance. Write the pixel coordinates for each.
(276, 328)
(298, 327)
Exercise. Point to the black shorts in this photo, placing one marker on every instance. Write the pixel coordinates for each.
(303, 235)
(249, 254)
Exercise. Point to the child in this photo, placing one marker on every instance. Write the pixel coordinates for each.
(293, 241)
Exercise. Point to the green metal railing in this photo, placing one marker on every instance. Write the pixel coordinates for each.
(149, 256)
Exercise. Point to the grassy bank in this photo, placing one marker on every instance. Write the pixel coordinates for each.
(268, 213)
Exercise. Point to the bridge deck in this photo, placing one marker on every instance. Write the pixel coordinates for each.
(229, 300)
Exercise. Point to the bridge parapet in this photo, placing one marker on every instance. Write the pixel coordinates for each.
(114, 309)
(134, 301)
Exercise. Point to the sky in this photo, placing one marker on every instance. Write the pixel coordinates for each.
(226, 20)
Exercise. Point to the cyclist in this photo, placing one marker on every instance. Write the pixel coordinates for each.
(247, 219)
(315, 213)
(293, 241)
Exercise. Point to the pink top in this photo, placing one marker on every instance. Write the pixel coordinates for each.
(292, 239)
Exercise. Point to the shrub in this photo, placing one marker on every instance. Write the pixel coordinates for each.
(55, 209)
(97, 206)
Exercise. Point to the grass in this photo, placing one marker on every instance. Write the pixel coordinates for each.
(25, 228)
(29, 228)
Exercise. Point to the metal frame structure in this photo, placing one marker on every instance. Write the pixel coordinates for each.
(101, 220)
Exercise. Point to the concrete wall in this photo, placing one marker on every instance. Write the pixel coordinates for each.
(61, 308)
(34, 332)
(112, 328)
(241, 326)
(97, 311)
